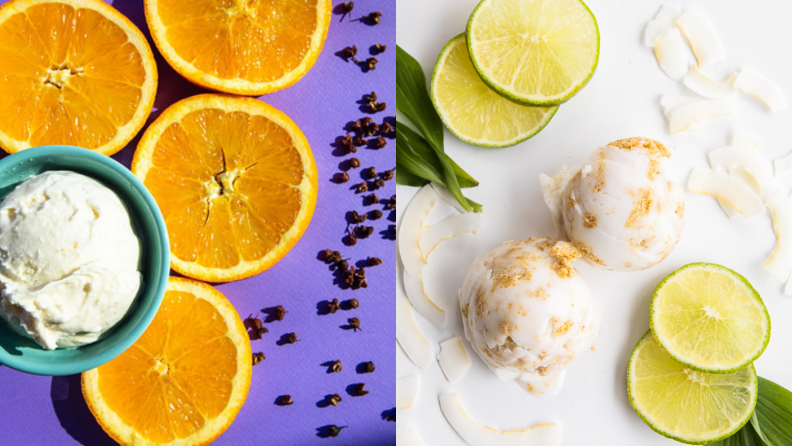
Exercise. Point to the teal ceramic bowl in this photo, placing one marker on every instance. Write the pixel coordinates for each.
(23, 354)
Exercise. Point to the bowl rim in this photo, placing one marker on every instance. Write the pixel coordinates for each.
(159, 284)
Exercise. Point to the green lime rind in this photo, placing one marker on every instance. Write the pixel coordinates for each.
(662, 338)
(648, 337)
(524, 99)
(459, 134)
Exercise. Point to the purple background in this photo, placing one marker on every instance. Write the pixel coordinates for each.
(40, 410)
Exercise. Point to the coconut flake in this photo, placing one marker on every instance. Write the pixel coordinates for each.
(446, 196)
(763, 88)
(728, 189)
(413, 286)
(407, 436)
(411, 228)
(702, 36)
(759, 172)
(664, 19)
(783, 165)
(683, 117)
(671, 55)
(407, 391)
(548, 434)
(453, 359)
(671, 102)
(446, 229)
(780, 262)
(744, 142)
(703, 85)
(410, 338)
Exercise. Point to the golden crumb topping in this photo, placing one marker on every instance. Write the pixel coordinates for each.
(654, 149)
(560, 328)
(565, 255)
(641, 207)
(590, 220)
(588, 253)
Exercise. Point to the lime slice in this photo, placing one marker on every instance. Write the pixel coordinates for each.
(534, 52)
(686, 405)
(472, 111)
(709, 318)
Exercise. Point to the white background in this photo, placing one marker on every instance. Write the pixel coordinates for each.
(621, 100)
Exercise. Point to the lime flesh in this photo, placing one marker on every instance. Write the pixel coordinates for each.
(686, 405)
(472, 111)
(709, 318)
(534, 52)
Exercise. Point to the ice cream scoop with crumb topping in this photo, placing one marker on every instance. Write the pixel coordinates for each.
(526, 310)
(619, 209)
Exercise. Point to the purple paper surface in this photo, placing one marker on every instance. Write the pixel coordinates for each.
(40, 410)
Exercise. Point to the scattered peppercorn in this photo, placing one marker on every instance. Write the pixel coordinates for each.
(391, 203)
(386, 128)
(258, 326)
(334, 430)
(347, 7)
(351, 239)
(359, 274)
(331, 256)
(285, 400)
(368, 367)
(359, 141)
(359, 390)
(371, 97)
(371, 172)
(356, 126)
(354, 324)
(258, 357)
(291, 338)
(357, 218)
(388, 175)
(373, 17)
(280, 312)
(377, 106)
(354, 163)
(380, 183)
(342, 264)
(366, 121)
(370, 63)
(379, 143)
(334, 399)
(374, 261)
(349, 53)
(332, 306)
(390, 416)
(336, 367)
(379, 48)
(347, 144)
(372, 199)
(362, 187)
(353, 303)
(375, 214)
(372, 128)
(364, 231)
(340, 177)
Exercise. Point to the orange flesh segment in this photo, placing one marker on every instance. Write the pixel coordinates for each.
(260, 42)
(227, 185)
(185, 389)
(69, 76)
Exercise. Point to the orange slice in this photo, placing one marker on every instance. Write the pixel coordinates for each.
(236, 182)
(184, 381)
(73, 72)
(240, 46)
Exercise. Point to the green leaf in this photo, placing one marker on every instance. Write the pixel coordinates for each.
(412, 99)
(411, 145)
(407, 178)
(746, 436)
(774, 413)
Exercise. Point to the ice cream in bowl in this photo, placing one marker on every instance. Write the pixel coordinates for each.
(84, 260)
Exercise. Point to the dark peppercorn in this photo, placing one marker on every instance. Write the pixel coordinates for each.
(372, 128)
(336, 366)
(362, 187)
(374, 17)
(359, 390)
(375, 214)
(391, 203)
(356, 126)
(349, 52)
(372, 199)
(334, 430)
(371, 97)
(334, 399)
(370, 63)
(329, 256)
(380, 142)
(386, 128)
(359, 141)
(354, 324)
(280, 312)
(368, 367)
(364, 231)
(378, 106)
(332, 306)
(359, 274)
(291, 338)
(379, 48)
(387, 175)
(351, 239)
(354, 163)
(347, 7)
(340, 177)
(285, 400)
(380, 183)
(342, 265)
(258, 357)
(390, 416)
(357, 218)
(374, 261)
(353, 303)
(371, 172)
(366, 121)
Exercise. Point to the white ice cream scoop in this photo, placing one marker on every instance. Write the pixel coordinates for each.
(68, 259)
(526, 311)
(619, 209)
